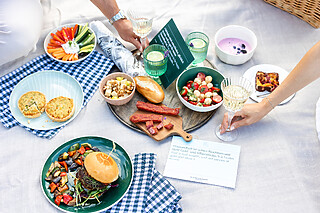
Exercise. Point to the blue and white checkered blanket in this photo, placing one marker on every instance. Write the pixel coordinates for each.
(88, 73)
(149, 191)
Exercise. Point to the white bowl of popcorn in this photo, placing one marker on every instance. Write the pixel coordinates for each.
(117, 88)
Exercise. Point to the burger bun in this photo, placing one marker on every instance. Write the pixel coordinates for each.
(101, 167)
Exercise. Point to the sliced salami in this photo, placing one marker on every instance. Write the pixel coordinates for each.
(168, 126)
(153, 130)
(164, 110)
(138, 118)
(149, 124)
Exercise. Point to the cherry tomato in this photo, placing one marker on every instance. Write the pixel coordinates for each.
(202, 100)
(193, 102)
(184, 91)
(189, 83)
(203, 89)
(206, 105)
(201, 75)
(195, 85)
(216, 99)
(215, 89)
(185, 98)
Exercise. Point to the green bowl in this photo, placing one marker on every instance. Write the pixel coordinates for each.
(191, 74)
(110, 197)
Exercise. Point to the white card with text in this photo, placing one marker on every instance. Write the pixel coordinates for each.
(203, 161)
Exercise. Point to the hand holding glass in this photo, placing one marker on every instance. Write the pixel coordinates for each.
(236, 92)
(141, 19)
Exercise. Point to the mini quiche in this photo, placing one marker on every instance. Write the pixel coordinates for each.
(32, 104)
(60, 109)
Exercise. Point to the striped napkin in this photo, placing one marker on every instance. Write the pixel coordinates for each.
(88, 73)
(149, 191)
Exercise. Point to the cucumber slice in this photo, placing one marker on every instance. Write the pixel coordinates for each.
(90, 46)
(87, 40)
(82, 34)
(86, 50)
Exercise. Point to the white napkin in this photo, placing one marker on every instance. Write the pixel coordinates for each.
(318, 117)
(116, 51)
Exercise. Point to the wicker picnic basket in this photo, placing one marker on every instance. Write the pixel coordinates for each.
(307, 10)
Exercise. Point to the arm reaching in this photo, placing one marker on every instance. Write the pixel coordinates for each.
(124, 27)
(306, 71)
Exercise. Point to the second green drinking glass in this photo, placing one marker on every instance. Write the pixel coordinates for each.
(198, 45)
(155, 58)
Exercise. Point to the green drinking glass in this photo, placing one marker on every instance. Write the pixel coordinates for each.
(198, 45)
(155, 58)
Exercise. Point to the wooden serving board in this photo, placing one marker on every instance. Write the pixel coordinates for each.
(164, 133)
(191, 120)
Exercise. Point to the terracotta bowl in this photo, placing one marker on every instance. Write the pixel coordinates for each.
(120, 101)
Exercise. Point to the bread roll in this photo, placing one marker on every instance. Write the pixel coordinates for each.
(150, 89)
(60, 109)
(32, 104)
(101, 167)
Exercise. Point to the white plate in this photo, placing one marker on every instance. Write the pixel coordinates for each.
(52, 84)
(54, 31)
(250, 74)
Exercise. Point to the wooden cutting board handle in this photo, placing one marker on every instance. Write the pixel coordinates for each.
(186, 136)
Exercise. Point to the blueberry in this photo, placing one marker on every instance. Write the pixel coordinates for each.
(234, 47)
(238, 48)
(243, 46)
(238, 52)
(244, 51)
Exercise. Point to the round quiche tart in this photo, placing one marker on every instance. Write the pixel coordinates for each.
(32, 104)
(60, 109)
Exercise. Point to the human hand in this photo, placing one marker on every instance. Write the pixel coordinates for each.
(125, 30)
(249, 114)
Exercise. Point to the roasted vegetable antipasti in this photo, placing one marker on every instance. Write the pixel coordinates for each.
(70, 182)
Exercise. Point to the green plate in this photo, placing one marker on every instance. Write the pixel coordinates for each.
(114, 194)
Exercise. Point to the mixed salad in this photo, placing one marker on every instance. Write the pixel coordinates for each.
(201, 91)
(62, 175)
(71, 43)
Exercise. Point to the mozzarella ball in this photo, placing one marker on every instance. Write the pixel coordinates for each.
(197, 93)
(208, 94)
(209, 85)
(197, 80)
(203, 83)
(207, 101)
(208, 79)
(202, 96)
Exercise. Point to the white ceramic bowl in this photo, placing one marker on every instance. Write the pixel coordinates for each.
(48, 37)
(190, 74)
(120, 101)
(235, 31)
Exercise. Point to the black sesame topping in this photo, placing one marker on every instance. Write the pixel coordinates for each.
(244, 51)
(243, 46)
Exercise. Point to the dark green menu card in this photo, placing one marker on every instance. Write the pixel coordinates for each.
(179, 54)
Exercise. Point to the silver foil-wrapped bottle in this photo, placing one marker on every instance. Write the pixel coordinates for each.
(116, 51)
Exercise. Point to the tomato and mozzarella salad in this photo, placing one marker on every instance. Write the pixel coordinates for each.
(201, 91)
